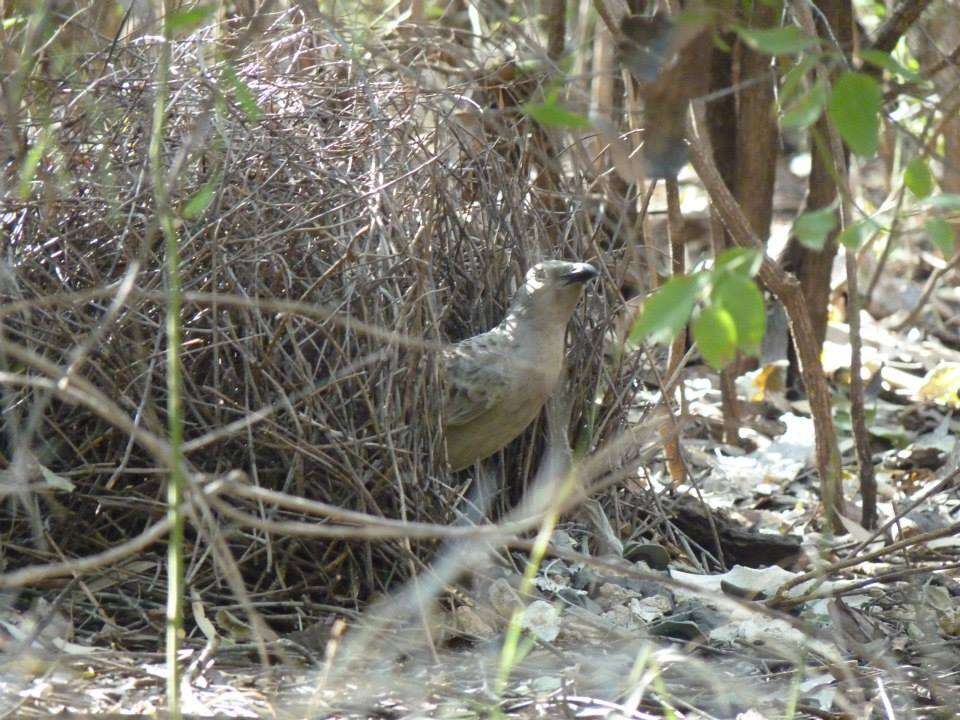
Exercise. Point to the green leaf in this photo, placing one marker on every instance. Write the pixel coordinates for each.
(743, 261)
(550, 114)
(195, 206)
(793, 79)
(885, 61)
(918, 178)
(186, 19)
(742, 299)
(942, 235)
(31, 163)
(855, 233)
(28, 170)
(243, 94)
(813, 227)
(944, 201)
(785, 40)
(668, 309)
(55, 481)
(807, 109)
(716, 336)
(854, 108)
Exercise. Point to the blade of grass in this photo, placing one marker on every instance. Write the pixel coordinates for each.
(175, 482)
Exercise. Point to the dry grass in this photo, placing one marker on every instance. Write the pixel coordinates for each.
(359, 190)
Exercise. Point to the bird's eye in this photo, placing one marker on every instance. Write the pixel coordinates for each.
(541, 274)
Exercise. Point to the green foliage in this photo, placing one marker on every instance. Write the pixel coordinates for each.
(786, 40)
(668, 310)
(793, 78)
(941, 234)
(814, 226)
(195, 206)
(186, 19)
(918, 178)
(551, 114)
(885, 61)
(854, 108)
(742, 299)
(716, 335)
(944, 201)
(243, 94)
(855, 233)
(31, 164)
(742, 261)
(732, 316)
(806, 109)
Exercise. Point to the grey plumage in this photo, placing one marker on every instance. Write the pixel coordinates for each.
(497, 382)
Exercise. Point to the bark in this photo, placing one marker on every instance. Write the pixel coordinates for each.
(894, 27)
(756, 140)
(786, 289)
(722, 127)
(813, 267)
(556, 27)
(678, 348)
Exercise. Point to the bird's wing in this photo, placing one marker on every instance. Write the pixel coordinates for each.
(478, 377)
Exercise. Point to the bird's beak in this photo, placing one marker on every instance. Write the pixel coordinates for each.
(580, 273)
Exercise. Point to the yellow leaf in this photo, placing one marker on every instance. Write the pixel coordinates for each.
(941, 385)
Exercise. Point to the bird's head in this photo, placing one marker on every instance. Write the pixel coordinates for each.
(551, 290)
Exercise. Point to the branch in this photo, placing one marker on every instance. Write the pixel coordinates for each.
(786, 289)
(893, 28)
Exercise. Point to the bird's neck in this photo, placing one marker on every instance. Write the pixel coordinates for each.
(544, 331)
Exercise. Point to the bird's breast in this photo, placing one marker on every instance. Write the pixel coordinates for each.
(536, 369)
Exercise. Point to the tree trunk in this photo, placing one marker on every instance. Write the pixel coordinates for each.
(813, 267)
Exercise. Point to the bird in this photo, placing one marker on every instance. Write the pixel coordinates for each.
(498, 381)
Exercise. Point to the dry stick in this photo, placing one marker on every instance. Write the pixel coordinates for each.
(82, 392)
(33, 574)
(366, 526)
(729, 405)
(887, 249)
(646, 242)
(79, 390)
(779, 601)
(943, 63)
(868, 481)
(786, 289)
(353, 520)
(678, 347)
(835, 153)
(928, 289)
(904, 511)
(880, 578)
(313, 311)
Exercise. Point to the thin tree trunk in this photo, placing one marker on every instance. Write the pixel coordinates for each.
(813, 267)
(556, 27)
(678, 348)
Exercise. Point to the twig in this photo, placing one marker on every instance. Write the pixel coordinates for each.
(928, 289)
